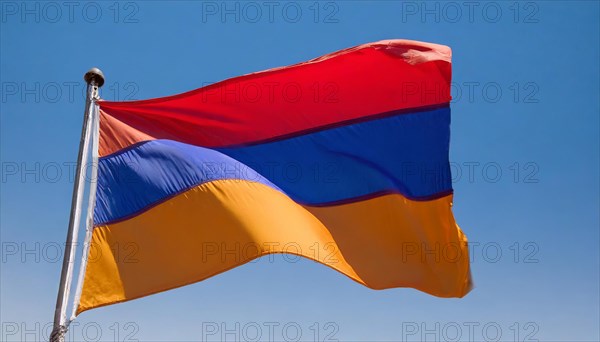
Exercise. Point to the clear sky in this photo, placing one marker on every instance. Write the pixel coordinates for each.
(524, 151)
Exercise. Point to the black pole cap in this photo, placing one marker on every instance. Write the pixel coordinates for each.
(94, 75)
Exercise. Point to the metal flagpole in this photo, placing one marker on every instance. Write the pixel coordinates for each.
(94, 79)
(89, 221)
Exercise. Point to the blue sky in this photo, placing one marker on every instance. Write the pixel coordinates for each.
(524, 151)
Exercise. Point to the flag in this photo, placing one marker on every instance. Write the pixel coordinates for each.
(342, 159)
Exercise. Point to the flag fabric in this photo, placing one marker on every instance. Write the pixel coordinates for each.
(342, 159)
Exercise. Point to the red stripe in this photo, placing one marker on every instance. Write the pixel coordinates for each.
(343, 86)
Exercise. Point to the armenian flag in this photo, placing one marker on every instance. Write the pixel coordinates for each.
(342, 159)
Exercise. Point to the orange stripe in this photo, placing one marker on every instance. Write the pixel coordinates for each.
(381, 242)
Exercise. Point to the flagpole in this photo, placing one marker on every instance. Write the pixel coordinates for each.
(94, 79)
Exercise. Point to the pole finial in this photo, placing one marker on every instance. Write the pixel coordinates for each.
(94, 75)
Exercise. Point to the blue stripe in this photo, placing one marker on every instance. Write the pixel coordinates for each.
(405, 154)
(138, 178)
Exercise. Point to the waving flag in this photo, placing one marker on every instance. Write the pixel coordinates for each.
(342, 159)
